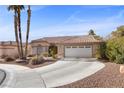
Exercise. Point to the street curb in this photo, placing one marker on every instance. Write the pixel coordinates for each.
(8, 79)
(3, 77)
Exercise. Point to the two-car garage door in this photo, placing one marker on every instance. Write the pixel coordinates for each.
(78, 51)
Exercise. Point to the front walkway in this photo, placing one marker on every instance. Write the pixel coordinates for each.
(57, 74)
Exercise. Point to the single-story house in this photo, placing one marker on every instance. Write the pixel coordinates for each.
(68, 46)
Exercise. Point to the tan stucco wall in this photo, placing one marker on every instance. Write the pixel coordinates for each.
(8, 51)
(94, 49)
(60, 51)
(38, 47)
(34, 50)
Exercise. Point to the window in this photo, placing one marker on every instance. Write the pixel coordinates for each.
(87, 46)
(74, 46)
(81, 46)
(68, 47)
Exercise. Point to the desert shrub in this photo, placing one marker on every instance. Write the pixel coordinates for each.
(3, 56)
(52, 51)
(40, 59)
(34, 60)
(31, 55)
(97, 55)
(119, 59)
(45, 54)
(53, 54)
(8, 58)
(37, 60)
(101, 51)
(115, 50)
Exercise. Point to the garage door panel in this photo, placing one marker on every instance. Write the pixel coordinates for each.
(78, 52)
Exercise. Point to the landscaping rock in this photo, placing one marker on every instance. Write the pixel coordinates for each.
(20, 60)
(122, 69)
(108, 77)
(2, 60)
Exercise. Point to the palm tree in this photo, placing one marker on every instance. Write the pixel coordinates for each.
(14, 8)
(28, 29)
(19, 8)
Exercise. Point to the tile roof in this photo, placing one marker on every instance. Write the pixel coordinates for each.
(69, 39)
(82, 39)
(13, 43)
(38, 43)
(9, 43)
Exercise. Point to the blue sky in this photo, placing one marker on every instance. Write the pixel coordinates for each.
(63, 20)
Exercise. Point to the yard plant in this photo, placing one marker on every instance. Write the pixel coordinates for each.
(113, 48)
(17, 27)
(37, 59)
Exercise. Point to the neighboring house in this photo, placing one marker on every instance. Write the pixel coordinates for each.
(8, 48)
(68, 46)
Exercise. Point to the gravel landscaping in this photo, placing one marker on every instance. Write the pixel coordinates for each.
(108, 77)
(2, 76)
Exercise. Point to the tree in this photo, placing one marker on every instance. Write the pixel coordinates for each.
(115, 49)
(101, 51)
(115, 46)
(19, 8)
(119, 32)
(91, 32)
(17, 26)
(14, 8)
(28, 29)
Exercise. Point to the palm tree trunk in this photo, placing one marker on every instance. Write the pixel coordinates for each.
(16, 33)
(28, 29)
(20, 36)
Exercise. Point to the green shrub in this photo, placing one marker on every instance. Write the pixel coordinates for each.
(115, 46)
(119, 59)
(40, 59)
(37, 60)
(101, 51)
(45, 54)
(97, 55)
(52, 51)
(115, 50)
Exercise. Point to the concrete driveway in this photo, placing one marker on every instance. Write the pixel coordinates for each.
(60, 73)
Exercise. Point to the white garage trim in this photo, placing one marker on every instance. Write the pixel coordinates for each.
(78, 51)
